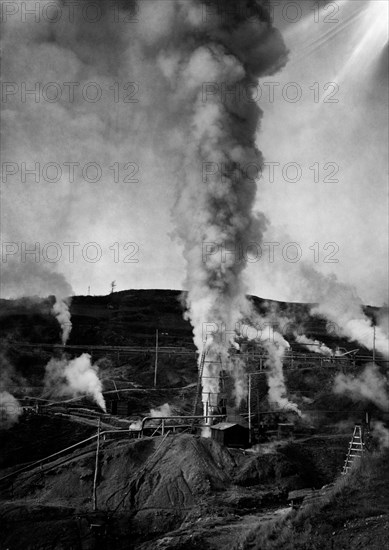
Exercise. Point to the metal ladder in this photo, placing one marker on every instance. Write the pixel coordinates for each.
(355, 449)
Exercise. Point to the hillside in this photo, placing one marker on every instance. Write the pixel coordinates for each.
(131, 317)
(355, 515)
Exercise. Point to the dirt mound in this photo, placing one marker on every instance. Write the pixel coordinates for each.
(155, 481)
(149, 487)
(152, 485)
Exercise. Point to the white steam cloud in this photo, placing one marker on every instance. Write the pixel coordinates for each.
(158, 412)
(214, 209)
(334, 301)
(182, 57)
(275, 375)
(74, 378)
(313, 345)
(10, 410)
(339, 303)
(163, 410)
(275, 345)
(381, 434)
(62, 314)
(370, 385)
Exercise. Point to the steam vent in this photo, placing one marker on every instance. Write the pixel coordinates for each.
(194, 320)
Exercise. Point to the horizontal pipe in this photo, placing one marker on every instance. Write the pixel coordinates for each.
(38, 462)
(159, 418)
(179, 350)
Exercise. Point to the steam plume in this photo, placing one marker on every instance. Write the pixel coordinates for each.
(62, 313)
(340, 304)
(275, 376)
(10, 410)
(74, 378)
(370, 385)
(275, 345)
(31, 278)
(381, 434)
(214, 209)
(313, 345)
(158, 412)
(163, 410)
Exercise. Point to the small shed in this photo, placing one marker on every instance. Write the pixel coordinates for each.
(230, 434)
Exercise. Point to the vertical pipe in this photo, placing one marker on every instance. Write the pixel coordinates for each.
(96, 467)
(156, 358)
(249, 404)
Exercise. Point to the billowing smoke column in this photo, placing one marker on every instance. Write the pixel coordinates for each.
(313, 345)
(62, 314)
(32, 278)
(370, 385)
(74, 378)
(212, 62)
(340, 304)
(275, 345)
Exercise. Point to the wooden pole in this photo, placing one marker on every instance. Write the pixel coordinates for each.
(373, 343)
(249, 404)
(96, 467)
(156, 359)
(116, 388)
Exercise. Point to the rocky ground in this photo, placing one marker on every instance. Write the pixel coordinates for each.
(354, 516)
(149, 489)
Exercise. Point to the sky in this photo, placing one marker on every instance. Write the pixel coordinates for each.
(101, 204)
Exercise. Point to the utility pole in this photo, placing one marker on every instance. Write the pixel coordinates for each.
(373, 343)
(116, 388)
(249, 407)
(156, 358)
(113, 286)
(96, 467)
